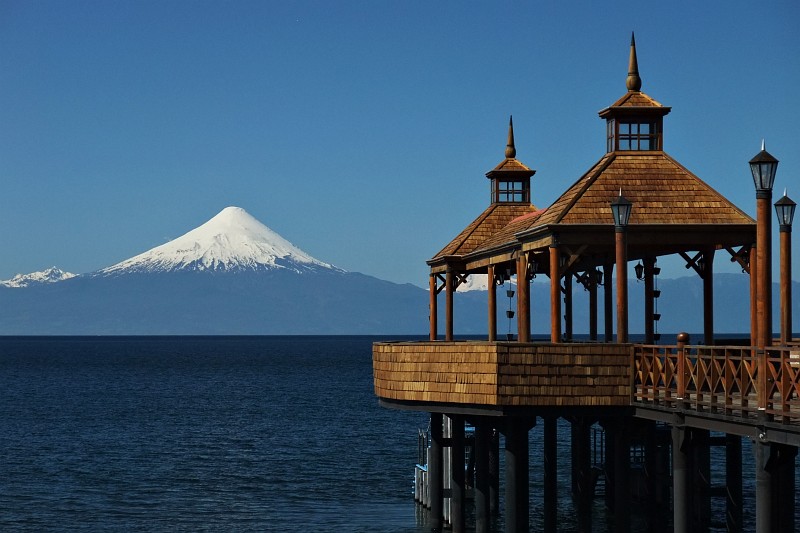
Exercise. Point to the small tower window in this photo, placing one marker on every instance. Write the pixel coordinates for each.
(510, 191)
(633, 135)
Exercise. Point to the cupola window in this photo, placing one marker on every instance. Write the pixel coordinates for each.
(633, 135)
(510, 191)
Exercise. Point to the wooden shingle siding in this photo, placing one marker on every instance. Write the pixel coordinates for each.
(503, 374)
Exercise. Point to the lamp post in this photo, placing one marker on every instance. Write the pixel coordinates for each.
(763, 167)
(784, 208)
(621, 209)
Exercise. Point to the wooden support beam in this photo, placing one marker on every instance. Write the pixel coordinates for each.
(436, 474)
(708, 296)
(490, 276)
(483, 438)
(457, 486)
(555, 294)
(432, 306)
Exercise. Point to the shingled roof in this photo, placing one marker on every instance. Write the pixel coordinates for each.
(661, 189)
(669, 201)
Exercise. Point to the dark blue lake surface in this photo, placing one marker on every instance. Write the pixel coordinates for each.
(214, 434)
(263, 434)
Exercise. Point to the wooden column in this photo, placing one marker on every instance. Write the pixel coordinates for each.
(492, 304)
(555, 294)
(494, 473)
(753, 260)
(435, 473)
(568, 307)
(764, 278)
(550, 473)
(786, 283)
(593, 306)
(649, 303)
(517, 491)
(733, 483)
(622, 479)
(432, 306)
(523, 300)
(450, 288)
(621, 248)
(680, 481)
(608, 303)
(764, 486)
(457, 487)
(708, 297)
(483, 436)
(700, 476)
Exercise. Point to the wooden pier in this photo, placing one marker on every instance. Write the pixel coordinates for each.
(635, 204)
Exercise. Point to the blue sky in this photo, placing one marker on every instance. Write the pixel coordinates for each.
(360, 131)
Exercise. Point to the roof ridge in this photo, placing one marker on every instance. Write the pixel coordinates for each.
(592, 174)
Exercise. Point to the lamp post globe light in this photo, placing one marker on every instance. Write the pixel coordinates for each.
(785, 208)
(621, 208)
(763, 168)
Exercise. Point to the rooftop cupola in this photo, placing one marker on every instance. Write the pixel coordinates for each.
(511, 180)
(635, 121)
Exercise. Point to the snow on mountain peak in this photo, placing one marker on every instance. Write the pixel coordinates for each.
(233, 240)
(49, 275)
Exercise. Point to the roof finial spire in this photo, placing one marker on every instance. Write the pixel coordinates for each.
(511, 151)
(633, 82)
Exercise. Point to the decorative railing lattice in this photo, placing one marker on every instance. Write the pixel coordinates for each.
(726, 380)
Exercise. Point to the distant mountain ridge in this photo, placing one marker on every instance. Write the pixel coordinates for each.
(235, 276)
(231, 275)
(49, 275)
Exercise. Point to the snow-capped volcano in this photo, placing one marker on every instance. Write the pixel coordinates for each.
(231, 241)
(49, 275)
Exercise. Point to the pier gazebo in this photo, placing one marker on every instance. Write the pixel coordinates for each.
(506, 385)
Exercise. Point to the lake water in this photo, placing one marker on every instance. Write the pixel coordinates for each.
(211, 434)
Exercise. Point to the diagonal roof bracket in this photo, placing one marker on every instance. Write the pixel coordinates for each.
(742, 257)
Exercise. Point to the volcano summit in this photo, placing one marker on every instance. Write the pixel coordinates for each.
(230, 276)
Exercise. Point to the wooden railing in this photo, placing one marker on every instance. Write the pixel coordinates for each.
(728, 380)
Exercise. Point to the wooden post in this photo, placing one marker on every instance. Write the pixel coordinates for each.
(764, 486)
(517, 491)
(483, 435)
(700, 461)
(555, 294)
(786, 283)
(492, 304)
(733, 483)
(523, 300)
(550, 473)
(649, 303)
(457, 487)
(622, 479)
(621, 248)
(494, 473)
(450, 287)
(435, 473)
(433, 310)
(764, 255)
(753, 261)
(680, 481)
(608, 303)
(592, 306)
(568, 307)
(708, 297)
(683, 340)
